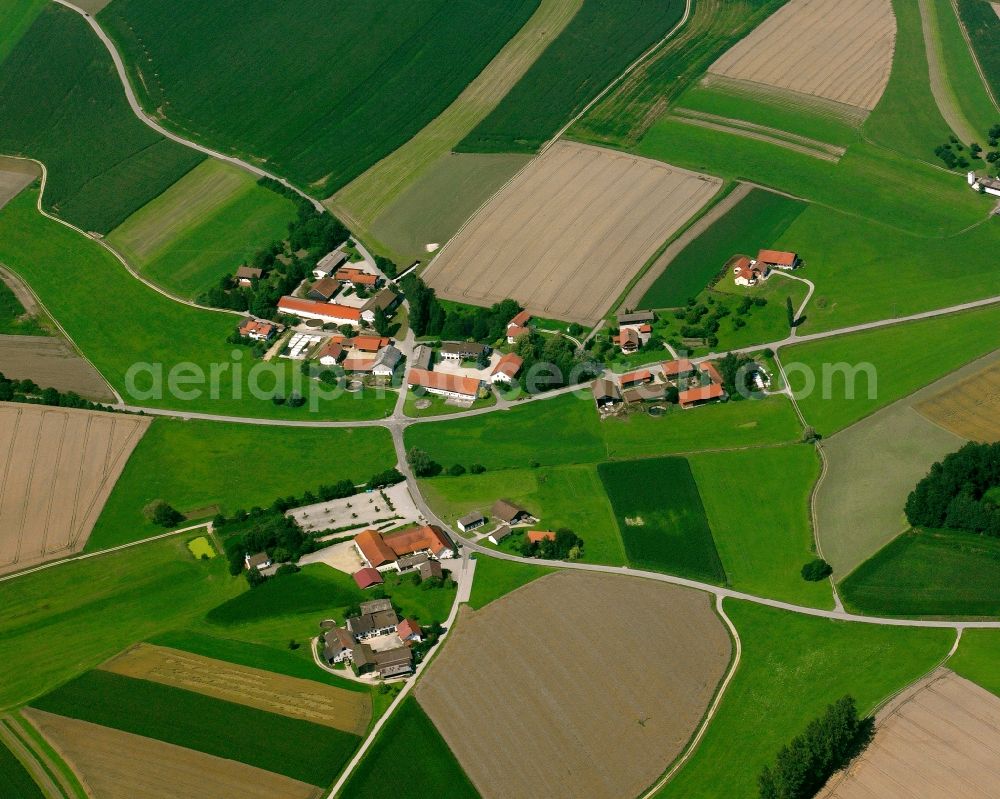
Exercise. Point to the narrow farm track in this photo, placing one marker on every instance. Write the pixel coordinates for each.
(941, 87)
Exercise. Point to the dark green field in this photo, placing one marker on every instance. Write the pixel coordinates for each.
(322, 90)
(435, 770)
(983, 25)
(309, 591)
(299, 749)
(63, 104)
(602, 39)
(928, 573)
(661, 517)
(12, 318)
(16, 782)
(755, 221)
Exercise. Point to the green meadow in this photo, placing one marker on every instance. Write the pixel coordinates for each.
(495, 578)
(18, 16)
(983, 25)
(976, 658)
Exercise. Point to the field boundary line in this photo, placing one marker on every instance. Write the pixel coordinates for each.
(140, 112)
(735, 130)
(33, 762)
(720, 692)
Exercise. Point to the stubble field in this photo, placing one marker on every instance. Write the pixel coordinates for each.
(120, 765)
(586, 685)
(839, 50)
(51, 362)
(970, 409)
(59, 467)
(569, 232)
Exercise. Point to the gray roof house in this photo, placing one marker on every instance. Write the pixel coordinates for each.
(386, 361)
(422, 357)
(636, 318)
(606, 392)
(470, 521)
(463, 349)
(506, 511)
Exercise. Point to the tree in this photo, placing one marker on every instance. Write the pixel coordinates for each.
(456, 470)
(954, 494)
(816, 570)
(382, 323)
(162, 514)
(421, 463)
(790, 311)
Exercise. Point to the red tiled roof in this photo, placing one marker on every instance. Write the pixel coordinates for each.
(332, 348)
(627, 335)
(743, 269)
(367, 577)
(358, 363)
(640, 376)
(709, 368)
(709, 392)
(294, 305)
(778, 257)
(514, 332)
(356, 276)
(374, 548)
(534, 536)
(408, 627)
(645, 328)
(249, 326)
(521, 320)
(415, 539)
(443, 381)
(510, 364)
(678, 367)
(369, 343)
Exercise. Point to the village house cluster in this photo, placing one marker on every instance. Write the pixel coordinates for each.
(419, 549)
(696, 384)
(376, 642)
(750, 271)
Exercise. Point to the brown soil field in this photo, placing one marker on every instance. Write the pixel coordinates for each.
(119, 765)
(15, 175)
(584, 685)
(940, 739)
(317, 702)
(568, 233)
(970, 409)
(58, 467)
(840, 50)
(52, 362)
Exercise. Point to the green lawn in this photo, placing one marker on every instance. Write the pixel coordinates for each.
(661, 517)
(203, 227)
(18, 15)
(17, 782)
(757, 503)
(190, 465)
(63, 104)
(299, 749)
(755, 221)
(345, 85)
(439, 406)
(201, 548)
(924, 573)
(891, 362)
(563, 496)
(120, 323)
(791, 668)
(495, 578)
(436, 771)
(62, 621)
(599, 42)
(977, 657)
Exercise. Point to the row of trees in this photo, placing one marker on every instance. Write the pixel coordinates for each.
(428, 317)
(827, 745)
(566, 545)
(954, 494)
(552, 361)
(30, 392)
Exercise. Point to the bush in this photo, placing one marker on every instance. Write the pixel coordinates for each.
(477, 468)
(816, 570)
(162, 514)
(456, 470)
(422, 464)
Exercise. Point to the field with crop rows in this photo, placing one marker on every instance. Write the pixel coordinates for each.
(982, 22)
(970, 409)
(65, 106)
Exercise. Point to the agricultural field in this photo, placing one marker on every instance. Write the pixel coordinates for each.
(17, 782)
(976, 658)
(496, 578)
(661, 517)
(161, 333)
(18, 16)
(981, 20)
(969, 408)
(119, 765)
(928, 573)
(883, 365)
(58, 623)
(52, 362)
(599, 43)
(568, 232)
(564, 496)
(65, 107)
(188, 465)
(624, 115)
(203, 227)
(638, 715)
(328, 107)
(763, 532)
(756, 220)
(791, 668)
(60, 465)
(942, 732)
(379, 773)
(340, 709)
(15, 175)
(839, 51)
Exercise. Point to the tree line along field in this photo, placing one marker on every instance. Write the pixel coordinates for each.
(65, 107)
(160, 330)
(345, 84)
(599, 43)
(203, 227)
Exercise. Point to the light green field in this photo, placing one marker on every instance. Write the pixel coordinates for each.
(494, 578)
(757, 502)
(791, 668)
(904, 357)
(439, 201)
(566, 496)
(977, 658)
(62, 621)
(197, 467)
(204, 226)
(201, 548)
(119, 322)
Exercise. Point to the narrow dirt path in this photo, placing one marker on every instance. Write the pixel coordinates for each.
(941, 88)
(804, 149)
(31, 760)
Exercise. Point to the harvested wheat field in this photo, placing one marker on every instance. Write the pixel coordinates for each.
(58, 467)
(317, 702)
(567, 233)
(970, 409)
(120, 765)
(940, 739)
(838, 50)
(51, 362)
(15, 175)
(584, 685)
